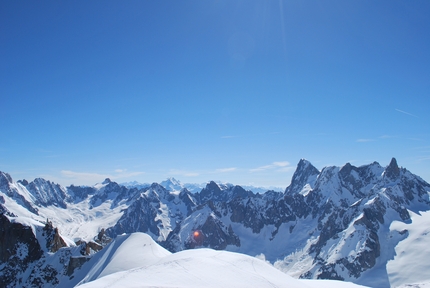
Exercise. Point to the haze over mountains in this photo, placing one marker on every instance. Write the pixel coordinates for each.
(366, 225)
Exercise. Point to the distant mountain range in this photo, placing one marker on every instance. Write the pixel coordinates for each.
(171, 184)
(367, 224)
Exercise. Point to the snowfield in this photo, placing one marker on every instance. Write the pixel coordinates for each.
(368, 225)
(137, 261)
(408, 264)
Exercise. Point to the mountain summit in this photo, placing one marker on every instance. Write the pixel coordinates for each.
(358, 224)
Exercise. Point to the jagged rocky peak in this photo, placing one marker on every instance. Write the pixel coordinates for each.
(158, 190)
(53, 239)
(211, 191)
(305, 164)
(5, 179)
(303, 178)
(79, 193)
(347, 168)
(212, 186)
(47, 193)
(238, 191)
(221, 192)
(184, 192)
(392, 171)
(107, 181)
(23, 182)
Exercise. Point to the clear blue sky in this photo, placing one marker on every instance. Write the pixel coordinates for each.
(237, 91)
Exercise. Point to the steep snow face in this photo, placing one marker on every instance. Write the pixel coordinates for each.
(411, 254)
(333, 224)
(356, 206)
(194, 268)
(18, 197)
(171, 184)
(124, 253)
(337, 229)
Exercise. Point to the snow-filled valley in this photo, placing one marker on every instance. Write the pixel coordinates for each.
(366, 225)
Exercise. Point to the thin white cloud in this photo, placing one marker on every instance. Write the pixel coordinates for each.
(73, 174)
(279, 166)
(286, 169)
(387, 137)
(406, 113)
(92, 178)
(184, 173)
(125, 174)
(365, 140)
(84, 177)
(225, 170)
(249, 135)
(261, 168)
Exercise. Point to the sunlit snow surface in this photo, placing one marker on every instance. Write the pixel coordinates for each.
(417, 285)
(137, 261)
(412, 253)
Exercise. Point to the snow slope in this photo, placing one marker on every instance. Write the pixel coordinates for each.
(408, 264)
(365, 224)
(190, 268)
(124, 253)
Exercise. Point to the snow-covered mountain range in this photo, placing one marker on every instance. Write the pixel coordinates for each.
(367, 225)
(172, 184)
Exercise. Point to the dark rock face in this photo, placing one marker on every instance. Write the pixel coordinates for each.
(75, 263)
(143, 215)
(47, 193)
(112, 191)
(322, 212)
(155, 211)
(393, 171)
(188, 199)
(346, 204)
(5, 180)
(79, 193)
(213, 234)
(53, 239)
(18, 248)
(304, 174)
(25, 263)
(213, 192)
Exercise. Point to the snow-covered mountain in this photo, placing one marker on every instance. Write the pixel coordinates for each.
(157, 267)
(362, 224)
(172, 184)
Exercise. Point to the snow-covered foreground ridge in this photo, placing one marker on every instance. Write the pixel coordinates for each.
(366, 225)
(137, 261)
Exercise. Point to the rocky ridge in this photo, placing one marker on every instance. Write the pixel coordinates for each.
(328, 224)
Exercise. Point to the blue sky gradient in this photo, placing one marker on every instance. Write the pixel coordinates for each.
(237, 91)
